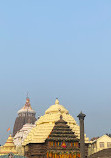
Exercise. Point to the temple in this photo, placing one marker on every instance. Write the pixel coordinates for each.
(45, 124)
(61, 142)
(54, 135)
(25, 115)
(42, 142)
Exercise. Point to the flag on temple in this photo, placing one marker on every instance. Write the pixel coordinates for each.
(8, 129)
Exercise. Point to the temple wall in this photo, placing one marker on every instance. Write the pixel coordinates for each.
(41, 151)
(36, 150)
(20, 121)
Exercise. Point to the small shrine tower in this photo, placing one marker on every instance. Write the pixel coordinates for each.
(8, 147)
(25, 115)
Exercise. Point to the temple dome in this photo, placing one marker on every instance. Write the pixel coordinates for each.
(56, 108)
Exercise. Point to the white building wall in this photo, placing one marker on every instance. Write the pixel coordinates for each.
(101, 143)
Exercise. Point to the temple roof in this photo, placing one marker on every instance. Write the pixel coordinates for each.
(9, 142)
(27, 107)
(56, 108)
(27, 127)
(45, 124)
(62, 132)
(22, 133)
(8, 146)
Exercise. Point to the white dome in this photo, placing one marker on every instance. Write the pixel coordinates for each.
(28, 110)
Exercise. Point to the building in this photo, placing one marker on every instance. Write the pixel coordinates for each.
(61, 142)
(8, 147)
(99, 144)
(25, 115)
(45, 124)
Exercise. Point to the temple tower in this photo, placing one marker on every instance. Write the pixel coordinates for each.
(25, 115)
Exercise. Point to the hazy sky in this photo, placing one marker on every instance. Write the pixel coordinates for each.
(56, 49)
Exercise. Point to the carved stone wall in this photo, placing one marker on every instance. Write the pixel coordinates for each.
(36, 150)
(20, 121)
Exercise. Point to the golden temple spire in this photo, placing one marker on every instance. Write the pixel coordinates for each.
(57, 101)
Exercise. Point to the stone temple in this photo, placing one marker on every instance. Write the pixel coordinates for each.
(25, 115)
(61, 143)
(42, 141)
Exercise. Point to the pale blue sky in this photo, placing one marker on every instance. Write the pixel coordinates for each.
(56, 49)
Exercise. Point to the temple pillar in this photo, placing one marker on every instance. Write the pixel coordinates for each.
(81, 117)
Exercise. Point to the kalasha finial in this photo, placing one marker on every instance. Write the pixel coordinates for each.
(27, 100)
(57, 101)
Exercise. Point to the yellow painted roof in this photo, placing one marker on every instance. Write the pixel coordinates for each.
(8, 147)
(46, 123)
(9, 142)
(56, 108)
